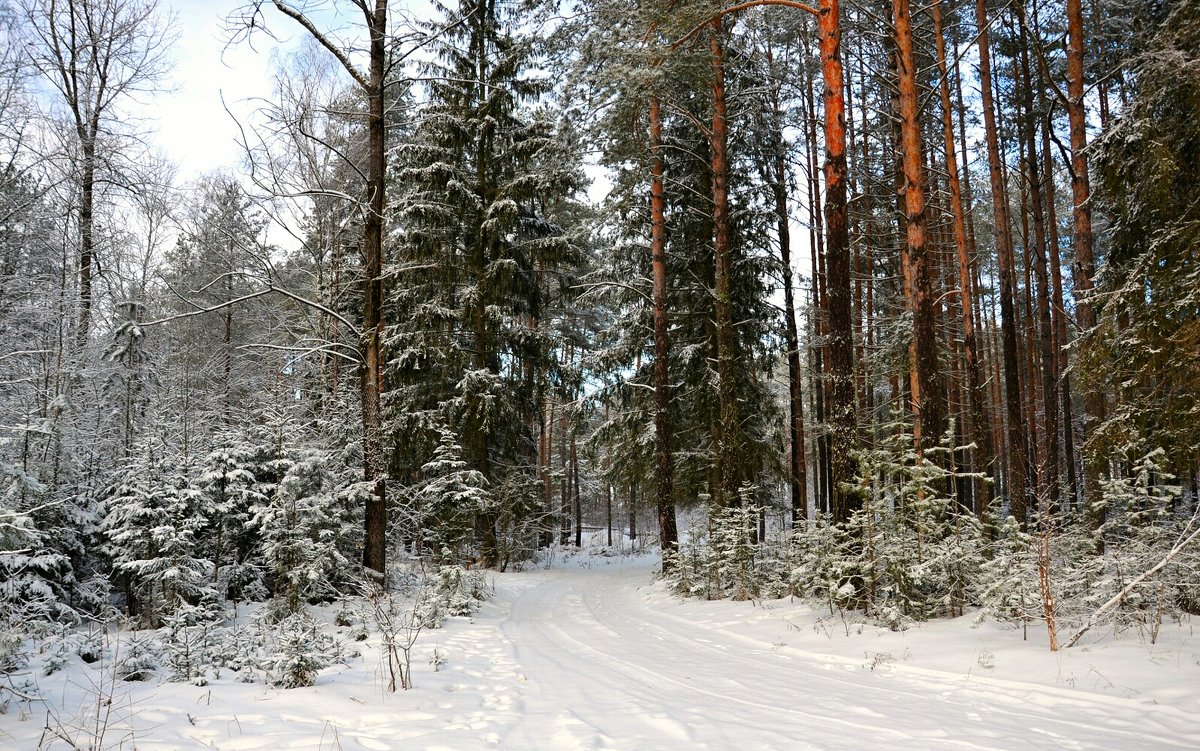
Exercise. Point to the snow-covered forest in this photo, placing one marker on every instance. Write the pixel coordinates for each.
(522, 332)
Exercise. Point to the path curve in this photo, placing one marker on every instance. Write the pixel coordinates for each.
(604, 665)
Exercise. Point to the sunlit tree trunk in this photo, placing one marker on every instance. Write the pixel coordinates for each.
(924, 366)
(843, 417)
(978, 429)
(1085, 260)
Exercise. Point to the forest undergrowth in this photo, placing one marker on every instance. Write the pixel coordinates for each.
(911, 554)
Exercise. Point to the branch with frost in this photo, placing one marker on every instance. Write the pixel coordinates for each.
(1185, 539)
(329, 349)
(325, 41)
(270, 288)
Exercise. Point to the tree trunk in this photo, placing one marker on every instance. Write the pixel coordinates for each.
(87, 185)
(728, 424)
(664, 495)
(633, 533)
(1048, 469)
(1017, 469)
(608, 519)
(375, 547)
(977, 429)
(577, 498)
(1085, 260)
(926, 386)
(818, 307)
(843, 417)
(227, 355)
(1061, 376)
(797, 475)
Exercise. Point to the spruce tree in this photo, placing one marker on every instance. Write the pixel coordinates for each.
(484, 187)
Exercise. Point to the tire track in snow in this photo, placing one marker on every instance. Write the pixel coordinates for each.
(1123, 722)
(591, 698)
(611, 671)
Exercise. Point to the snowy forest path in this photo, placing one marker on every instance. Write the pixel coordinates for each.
(607, 661)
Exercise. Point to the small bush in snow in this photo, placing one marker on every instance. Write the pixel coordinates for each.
(189, 639)
(453, 591)
(723, 562)
(300, 652)
(240, 648)
(137, 656)
(90, 644)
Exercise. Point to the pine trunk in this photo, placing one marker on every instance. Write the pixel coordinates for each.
(926, 386)
(668, 534)
(1017, 459)
(728, 425)
(797, 475)
(843, 417)
(1085, 260)
(1048, 489)
(976, 428)
(375, 547)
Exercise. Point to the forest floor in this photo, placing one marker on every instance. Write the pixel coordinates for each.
(593, 653)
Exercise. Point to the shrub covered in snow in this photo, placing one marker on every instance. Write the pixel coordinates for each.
(450, 591)
(298, 652)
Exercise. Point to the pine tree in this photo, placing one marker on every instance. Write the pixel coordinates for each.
(1146, 347)
(449, 500)
(229, 490)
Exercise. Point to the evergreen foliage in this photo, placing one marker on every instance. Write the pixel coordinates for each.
(188, 380)
(1147, 344)
(151, 527)
(484, 253)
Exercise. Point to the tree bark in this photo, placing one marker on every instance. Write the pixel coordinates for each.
(843, 417)
(1017, 459)
(977, 430)
(1084, 270)
(87, 252)
(371, 383)
(664, 495)
(729, 423)
(1048, 469)
(797, 474)
(375, 547)
(926, 386)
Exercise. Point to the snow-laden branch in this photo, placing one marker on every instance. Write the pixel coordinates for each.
(20, 353)
(359, 77)
(252, 295)
(1182, 543)
(328, 349)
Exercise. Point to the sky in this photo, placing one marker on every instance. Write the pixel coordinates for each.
(192, 127)
(190, 122)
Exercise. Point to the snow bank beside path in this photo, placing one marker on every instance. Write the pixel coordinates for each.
(594, 655)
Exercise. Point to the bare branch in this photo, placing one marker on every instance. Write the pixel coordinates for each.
(359, 77)
(1116, 599)
(740, 7)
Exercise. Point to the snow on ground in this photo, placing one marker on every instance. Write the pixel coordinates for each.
(593, 654)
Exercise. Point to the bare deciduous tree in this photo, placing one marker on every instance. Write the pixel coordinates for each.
(96, 54)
